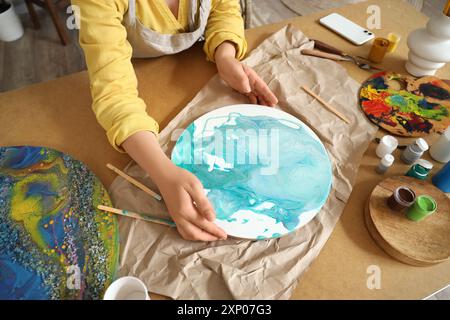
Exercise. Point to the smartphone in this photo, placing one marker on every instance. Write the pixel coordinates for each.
(347, 29)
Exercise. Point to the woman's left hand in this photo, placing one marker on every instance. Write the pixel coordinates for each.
(241, 77)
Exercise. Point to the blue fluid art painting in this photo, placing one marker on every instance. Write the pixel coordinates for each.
(54, 242)
(265, 172)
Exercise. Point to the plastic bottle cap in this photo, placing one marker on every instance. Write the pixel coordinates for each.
(388, 160)
(424, 163)
(387, 145)
(422, 144)
(390, 141)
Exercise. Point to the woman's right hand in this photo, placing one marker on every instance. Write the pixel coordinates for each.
(183, 193)
(188, 205)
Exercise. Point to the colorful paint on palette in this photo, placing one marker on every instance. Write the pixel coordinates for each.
(417, 108)
(281, 190)
(54, 243)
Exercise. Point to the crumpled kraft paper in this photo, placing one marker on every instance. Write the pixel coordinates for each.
(242, 269)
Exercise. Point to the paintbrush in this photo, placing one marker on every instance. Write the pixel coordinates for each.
(325, 104)
(140, 216)
(333, 52)
(447, 9)
(134, 182)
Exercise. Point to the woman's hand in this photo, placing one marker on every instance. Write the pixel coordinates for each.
(241, 77)
(182, 192)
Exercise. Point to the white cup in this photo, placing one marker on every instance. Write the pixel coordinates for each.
(387, 145)
(127, 288)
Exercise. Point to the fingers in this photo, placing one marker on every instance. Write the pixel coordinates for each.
(241, 81)
(210, 228)
(263, 90)
(203, 215)
(202, 203)
(251, 96)
(260, 88)
(190, 232)
(195, 227)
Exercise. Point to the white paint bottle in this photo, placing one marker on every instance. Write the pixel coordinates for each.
(385, 164)
(387, 145)
(440, 151)
(414, 151)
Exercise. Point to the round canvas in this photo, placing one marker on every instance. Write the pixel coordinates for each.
(265, 172)
(405, 106)
(54, 242)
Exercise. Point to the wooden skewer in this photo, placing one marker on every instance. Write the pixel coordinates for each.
(325, 104)
(134, 182)
(139, 216)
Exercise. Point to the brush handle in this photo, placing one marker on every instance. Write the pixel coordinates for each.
(140, 216)
(324, 55)
(134, 182)
(322, 46)
(325, 104)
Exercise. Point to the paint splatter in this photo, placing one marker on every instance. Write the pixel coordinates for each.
(433, 90)
(54, 243)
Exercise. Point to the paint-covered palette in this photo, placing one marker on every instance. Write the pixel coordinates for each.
(405, 106)
(265, 172)
(54, 243)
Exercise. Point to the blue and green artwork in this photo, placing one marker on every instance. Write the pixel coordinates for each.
(265, 172)
(54, 242)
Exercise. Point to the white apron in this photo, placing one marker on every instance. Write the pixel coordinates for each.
(147, 43)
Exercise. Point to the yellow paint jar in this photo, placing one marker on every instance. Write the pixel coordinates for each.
(379, 50)
(394, 40)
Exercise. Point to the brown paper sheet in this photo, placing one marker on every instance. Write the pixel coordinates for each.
(242, 269)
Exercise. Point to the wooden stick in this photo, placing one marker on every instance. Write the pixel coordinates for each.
(140, 216)
(325, 104)
(134, 182)
(447, 9)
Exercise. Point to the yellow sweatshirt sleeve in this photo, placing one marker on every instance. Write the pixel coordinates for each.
(225, 23)
(103, 38)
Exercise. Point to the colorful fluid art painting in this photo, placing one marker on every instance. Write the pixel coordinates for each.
(54, 243)
(265, 172)
(405, 106)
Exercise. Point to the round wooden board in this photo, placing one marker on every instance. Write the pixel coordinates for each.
(422, 243)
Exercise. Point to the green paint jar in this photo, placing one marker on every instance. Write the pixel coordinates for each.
(422, 208)
(417, 171)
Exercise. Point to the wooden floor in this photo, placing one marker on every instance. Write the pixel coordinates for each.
(39, 56)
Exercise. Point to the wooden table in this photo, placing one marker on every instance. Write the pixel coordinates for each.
(57, 114)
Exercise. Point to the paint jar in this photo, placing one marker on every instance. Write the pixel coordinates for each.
(379, 50)
(127, 288)
(403, 197)
(442, 178)
(385, 164)
(420, 169)
(422, 208)
(387, 145)
(414, 151)
(425, 164)
(440, 151)
(394, 40)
